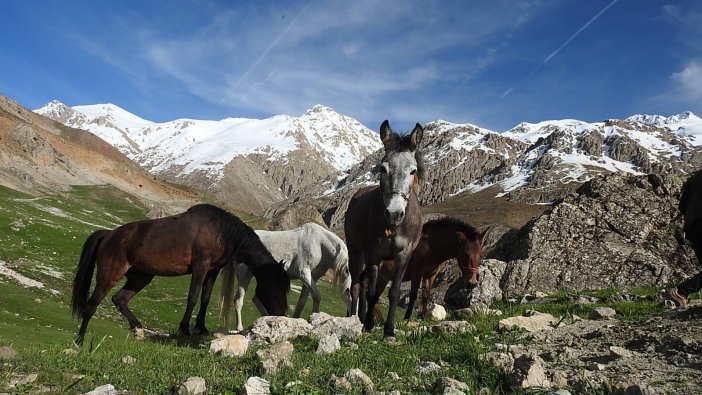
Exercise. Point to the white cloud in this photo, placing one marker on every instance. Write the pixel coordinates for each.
(689, 81)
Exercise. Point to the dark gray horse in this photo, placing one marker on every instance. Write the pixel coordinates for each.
(384, 223)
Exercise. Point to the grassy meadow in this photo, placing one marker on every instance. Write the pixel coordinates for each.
(41, 239)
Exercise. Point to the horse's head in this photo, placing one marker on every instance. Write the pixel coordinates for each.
(399, 169)
(470, 256)
(272, 286)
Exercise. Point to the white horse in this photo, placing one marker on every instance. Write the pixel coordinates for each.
(307, 252)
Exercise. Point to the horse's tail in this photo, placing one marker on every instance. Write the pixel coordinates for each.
(226, 292)
(84, 272)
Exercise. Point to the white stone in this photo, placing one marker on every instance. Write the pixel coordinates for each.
(193, 386)
(256, 386)
(230, 345)
(437, 312)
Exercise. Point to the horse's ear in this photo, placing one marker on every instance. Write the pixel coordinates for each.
(416, 136)
(482, 234)
(385, 133)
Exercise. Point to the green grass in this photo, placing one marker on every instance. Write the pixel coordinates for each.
(41, 238)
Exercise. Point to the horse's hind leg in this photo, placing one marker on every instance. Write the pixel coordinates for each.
(205, 301)
(243, 277)
(136, 281)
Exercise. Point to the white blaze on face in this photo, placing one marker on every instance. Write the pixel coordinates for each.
(396, 178)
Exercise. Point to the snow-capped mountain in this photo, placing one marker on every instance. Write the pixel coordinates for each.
(287, 153)
(540, 162)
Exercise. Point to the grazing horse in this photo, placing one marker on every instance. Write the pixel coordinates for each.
(384, 223)
(199, 241)
(308, 252)
(442, 239)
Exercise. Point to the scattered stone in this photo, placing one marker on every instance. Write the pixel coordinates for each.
(7, 352)
(596, 367)
(128, 360)
(640, 389)
(324, 324)
(394, 376)
(294, 383)
(340, 384)
(69, 352)
(22, 379)
(192, 386)
(275, 329)
(533, 323)
(275, 357)
(540, 295)
(437, 313)
(528, 371)
(447, 385)
(230, 345)
(107, 389)
(453, 327)
(602, 313)
(328, 345)
(619, 352)
(256, 386)
(503, 361)
(356, 377)
(427, 367)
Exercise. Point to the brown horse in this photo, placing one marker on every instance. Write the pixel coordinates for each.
(442, 239)
(384, 223)
(199, 241)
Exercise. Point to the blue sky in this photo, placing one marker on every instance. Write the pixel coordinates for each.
(492, 63)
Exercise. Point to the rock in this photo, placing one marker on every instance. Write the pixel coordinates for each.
(324, 324)
(487, 291)
(427, 367)
(107, 389)
(619, 352)
(69, 352)
(436, 312)
(533, 323)
(328, 345)
(640, 389)
(274, 329)
(447, 385)
(452, 327)
(528, 371)
(340, 384)
(230, 345)
(275, 357)
(7, 352)
(192, 386)
(357, 378)
(394, 376)
(502, 361)
(22, 379)
(127, 360)
(256, 386)
(600, 313)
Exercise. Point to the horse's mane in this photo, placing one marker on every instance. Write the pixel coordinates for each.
(452, 224)
(239, 240)
(403, 143)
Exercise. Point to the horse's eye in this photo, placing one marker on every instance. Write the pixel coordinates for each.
(413, 172)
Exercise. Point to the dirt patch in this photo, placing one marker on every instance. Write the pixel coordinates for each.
(662, 354)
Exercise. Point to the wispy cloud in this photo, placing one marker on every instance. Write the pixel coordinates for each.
(557, 50)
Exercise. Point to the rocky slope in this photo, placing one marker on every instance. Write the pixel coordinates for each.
(39, 154)
(249, 162)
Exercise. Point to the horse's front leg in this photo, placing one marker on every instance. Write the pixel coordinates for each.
(401, 262)
(371, 295)
(195, 286)
(416, 280)
(207, 286)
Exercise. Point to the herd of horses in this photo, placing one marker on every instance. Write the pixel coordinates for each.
(386, 240)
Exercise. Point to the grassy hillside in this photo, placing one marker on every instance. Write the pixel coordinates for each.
(40, 241)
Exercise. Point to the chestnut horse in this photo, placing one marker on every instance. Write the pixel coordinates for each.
(199, 241)
(384, 223)
(442, 239)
